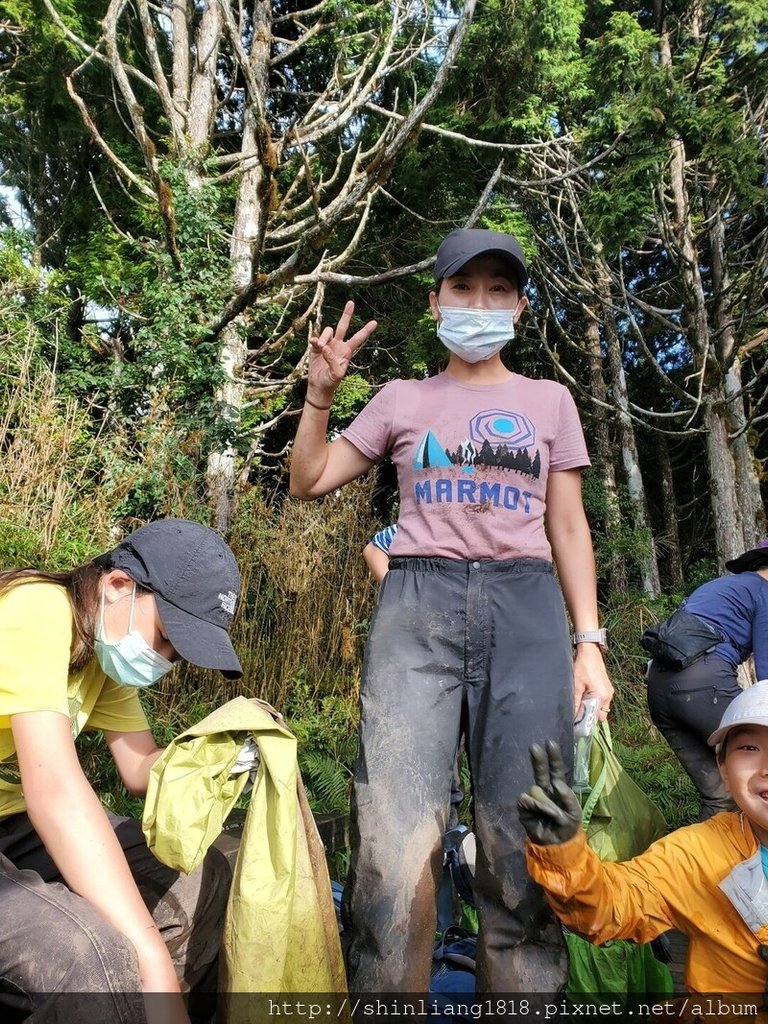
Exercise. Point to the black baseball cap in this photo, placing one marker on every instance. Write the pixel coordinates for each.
(464, 244)
(757, 558)
(194, 577)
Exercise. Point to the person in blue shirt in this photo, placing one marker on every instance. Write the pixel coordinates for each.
(687, 705)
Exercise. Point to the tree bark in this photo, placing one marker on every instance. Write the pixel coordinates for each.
(649, 569)
(726, 514)
(202, 88)
(747, 484)
(618, 579)
(251, 210)
(671, 537)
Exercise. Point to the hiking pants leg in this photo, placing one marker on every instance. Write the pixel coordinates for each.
(686, 708)
(519, 673)
(410, 699)
(188, 909)
(61, 962)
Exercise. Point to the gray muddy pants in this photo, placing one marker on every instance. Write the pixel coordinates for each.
(61, 962)
(485, 645)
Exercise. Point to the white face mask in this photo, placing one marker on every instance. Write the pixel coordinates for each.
(475, 334)
(130, 661)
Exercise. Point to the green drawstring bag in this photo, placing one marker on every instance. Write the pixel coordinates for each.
(620, 822)
(619, 819)
(616, 970)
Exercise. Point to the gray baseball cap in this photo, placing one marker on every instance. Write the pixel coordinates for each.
(464, 244)
(194, 577)
(750, 707)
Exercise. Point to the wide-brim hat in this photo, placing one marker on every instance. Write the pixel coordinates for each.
(750, 707)
(465, 244)
(195, 580)
(756, 558)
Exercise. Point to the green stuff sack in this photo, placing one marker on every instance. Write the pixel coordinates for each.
(615, 971)
(620, 822)
(619, 819)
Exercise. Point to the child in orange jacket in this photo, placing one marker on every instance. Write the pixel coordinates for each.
(707, 880)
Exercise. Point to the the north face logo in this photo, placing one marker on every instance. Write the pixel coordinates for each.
(227, 601)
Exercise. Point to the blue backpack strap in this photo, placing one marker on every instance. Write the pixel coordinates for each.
(457, 949)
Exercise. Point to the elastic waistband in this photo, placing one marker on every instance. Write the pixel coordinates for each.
(465, 566)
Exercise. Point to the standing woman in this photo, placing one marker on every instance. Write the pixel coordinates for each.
(686, 705)
(91, 922)
(470, 628)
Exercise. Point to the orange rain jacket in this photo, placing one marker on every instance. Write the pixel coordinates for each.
(706, 880)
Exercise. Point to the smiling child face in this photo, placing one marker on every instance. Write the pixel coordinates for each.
(744, 771)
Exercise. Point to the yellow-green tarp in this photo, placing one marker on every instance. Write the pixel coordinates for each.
(280, 934)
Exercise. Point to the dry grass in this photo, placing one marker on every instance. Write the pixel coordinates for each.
(306, 596)
(52, 511)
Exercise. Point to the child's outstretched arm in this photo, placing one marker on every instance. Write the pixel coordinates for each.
(599, 900)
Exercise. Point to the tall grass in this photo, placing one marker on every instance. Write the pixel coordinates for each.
(307, 591)
(52, 510)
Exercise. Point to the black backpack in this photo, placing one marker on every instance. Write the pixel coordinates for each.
(680, 640)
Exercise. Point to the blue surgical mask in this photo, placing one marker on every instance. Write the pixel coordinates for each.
(130, 661)
(475, 334)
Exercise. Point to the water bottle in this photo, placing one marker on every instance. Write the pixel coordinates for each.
(583, 732)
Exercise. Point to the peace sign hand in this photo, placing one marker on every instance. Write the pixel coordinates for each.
(549, 810)
(330, 355)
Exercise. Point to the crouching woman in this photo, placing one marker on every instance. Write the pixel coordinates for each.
(91, 921)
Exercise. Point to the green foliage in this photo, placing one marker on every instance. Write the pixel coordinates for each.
(656, 770)
(503, 216)
(620, 58)
(516, 71)
(101, 772)
(691, 99)
(621, 540)
(327, 734)
(327, 782)
(50, 503)
(352, 394)
(700, 572)
(165, 311)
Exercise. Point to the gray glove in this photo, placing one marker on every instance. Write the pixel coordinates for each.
(549, 810)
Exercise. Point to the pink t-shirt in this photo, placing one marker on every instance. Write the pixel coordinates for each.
(472, 461)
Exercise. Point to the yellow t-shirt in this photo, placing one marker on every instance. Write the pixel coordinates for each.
(35, 639)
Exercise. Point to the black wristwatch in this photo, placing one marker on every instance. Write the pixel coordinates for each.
(592, 636)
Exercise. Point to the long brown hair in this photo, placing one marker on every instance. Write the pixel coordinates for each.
(82, 587)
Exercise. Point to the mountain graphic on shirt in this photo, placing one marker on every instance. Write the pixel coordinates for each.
(496, 438)
(430, 453)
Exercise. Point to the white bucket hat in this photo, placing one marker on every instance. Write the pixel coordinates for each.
(749, 708)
